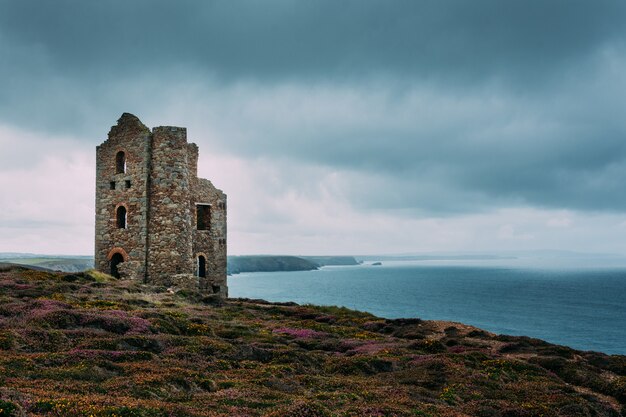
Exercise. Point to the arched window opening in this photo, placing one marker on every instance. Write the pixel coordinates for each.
(201, 266)
(116, 259)
(121, 217)
(120, 163)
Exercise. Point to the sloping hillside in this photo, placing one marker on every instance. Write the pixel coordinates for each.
(87, 345)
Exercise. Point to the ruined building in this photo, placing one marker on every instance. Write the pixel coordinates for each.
(156, 221)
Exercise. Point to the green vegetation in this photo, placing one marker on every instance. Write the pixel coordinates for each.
(85, 344)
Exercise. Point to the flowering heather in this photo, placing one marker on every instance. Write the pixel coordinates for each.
(90, 346)
(371, 348)
(300, 333)
(116, 321)
(8, 283)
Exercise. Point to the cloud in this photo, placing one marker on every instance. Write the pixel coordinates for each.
(319, 116)
(285, 38)
(428, 150)
(48, 194)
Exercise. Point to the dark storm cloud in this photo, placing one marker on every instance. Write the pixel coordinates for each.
(324, 38)
(464, 153)
(521, 99)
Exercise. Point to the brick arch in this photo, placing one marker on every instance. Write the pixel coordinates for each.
(120, 205)
(117, 250)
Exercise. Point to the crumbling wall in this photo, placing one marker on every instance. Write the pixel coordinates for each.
(159, 189)
(127, 188)
(211, 242)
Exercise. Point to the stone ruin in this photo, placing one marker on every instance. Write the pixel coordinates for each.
(156, 221)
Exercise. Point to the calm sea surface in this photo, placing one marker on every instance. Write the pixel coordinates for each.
(575, 305)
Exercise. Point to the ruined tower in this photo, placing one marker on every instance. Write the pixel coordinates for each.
(156, 221)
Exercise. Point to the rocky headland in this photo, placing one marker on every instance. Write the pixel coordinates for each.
(276, 263)
(268, 263)
(85, 344)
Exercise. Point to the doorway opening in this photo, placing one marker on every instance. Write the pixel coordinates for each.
(116, 259)
(201, 266)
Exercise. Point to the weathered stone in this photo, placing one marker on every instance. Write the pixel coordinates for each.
(184, 282)
(146, 214)
(130, 270)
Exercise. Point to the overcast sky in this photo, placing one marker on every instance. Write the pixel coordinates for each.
(335, 127)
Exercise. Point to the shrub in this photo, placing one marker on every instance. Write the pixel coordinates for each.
(68, 408)
(132, 412)
(302, 409)
(363, 365)
(618, 388)
(7, 409)
(429, 346)
(207, 384)
(140, 343)
(116, 321)
(6, 340)
(58, 319)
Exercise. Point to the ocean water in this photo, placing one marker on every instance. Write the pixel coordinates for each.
(580, 306)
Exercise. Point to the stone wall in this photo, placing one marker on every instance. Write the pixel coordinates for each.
(128, 189)
(211, 242)
(169, 247)
(159, 189)
(192, 161)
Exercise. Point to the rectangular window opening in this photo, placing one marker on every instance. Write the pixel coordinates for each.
(127, 183)
(203, 216)
(112, 185)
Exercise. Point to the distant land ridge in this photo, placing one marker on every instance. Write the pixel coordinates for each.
(261, 263)
(332, 260)
(236, 264)
(274, 263)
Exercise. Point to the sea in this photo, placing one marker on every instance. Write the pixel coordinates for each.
(577, 303)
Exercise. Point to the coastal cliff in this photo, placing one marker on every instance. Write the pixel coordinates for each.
(236, 264)
(85, 344)
(273, 263)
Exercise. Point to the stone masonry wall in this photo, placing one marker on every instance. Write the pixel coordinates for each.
(192, 161)
(211, 242)
(160, 190)
(129, 189)
(169, 246)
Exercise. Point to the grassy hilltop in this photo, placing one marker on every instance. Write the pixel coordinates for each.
(85, 344)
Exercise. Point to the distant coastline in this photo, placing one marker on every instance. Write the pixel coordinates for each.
(236, 264)
(274, 263)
